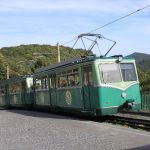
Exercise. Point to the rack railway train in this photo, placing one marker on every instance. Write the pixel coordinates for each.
(90, 85)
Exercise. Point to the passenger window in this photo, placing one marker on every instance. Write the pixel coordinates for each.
(62, 81)
(15, 88)
(52, 81)
(68, 78)
(28, 86)
(37, 84)
(44, 83)
(41, 83)
(73, 78)
(71, 81)
(2, 90)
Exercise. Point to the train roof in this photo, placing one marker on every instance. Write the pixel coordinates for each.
(15, 79)
(76, 60)
(72, 61)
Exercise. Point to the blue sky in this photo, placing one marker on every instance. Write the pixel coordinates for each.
(52, 21)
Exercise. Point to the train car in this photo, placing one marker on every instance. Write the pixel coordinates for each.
(17, 92)
(92, 85)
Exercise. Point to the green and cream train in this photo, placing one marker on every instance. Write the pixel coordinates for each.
(89, 85)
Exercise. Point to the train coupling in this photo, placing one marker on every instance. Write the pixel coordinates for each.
(128, 105)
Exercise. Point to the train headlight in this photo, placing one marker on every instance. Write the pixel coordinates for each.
(124, 95)
(120, 58)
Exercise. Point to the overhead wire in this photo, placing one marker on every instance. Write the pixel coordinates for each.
(109, 23)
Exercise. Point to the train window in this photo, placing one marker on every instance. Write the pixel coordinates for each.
(73, 79)
(37, 84)
(52, 81)
(69, 72)
(110, 73)
(68, 78)
(63, 73)
(42, 83)
(2, 90)
(29, 83)
(15, 88)
(77, 81)
(61, 81)
(128, 72)
(75, 70)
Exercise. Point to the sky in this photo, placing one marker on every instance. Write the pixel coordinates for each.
(52, 21)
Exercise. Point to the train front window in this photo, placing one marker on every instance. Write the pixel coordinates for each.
(128, 72)
(110, 73)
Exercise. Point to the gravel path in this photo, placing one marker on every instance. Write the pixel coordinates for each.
(28, 130)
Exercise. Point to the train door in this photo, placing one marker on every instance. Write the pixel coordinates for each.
(87, 85)
(7, 95)
(52, 87)
(23, 91)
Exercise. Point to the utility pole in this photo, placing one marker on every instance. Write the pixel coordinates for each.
(58, 49)
(7, 72)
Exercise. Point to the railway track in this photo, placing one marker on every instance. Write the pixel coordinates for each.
(129, 121)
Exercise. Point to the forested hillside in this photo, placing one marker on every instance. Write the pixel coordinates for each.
(25, 59)
(143, 60)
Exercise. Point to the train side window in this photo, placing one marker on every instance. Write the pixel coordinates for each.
(73, 78)
(29, 84)
(41, 83)
(44, 83)
(63, 81)
(77, 79)
(2, 90)
(15, 88)
(52, 81)
(71, 81)
(38, 84)
(68, 78)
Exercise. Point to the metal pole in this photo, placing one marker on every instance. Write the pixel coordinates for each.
(58, 49)
(7, 72)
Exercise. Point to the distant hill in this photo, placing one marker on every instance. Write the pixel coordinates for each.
(142, 60)
(140, 56)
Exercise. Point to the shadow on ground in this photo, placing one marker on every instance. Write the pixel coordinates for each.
(146, 147)
(48, 114)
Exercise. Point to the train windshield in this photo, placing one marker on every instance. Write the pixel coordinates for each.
(128, 72)
(110, 73)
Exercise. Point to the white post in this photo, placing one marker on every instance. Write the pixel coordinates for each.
(7, 72)
(58, 49)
